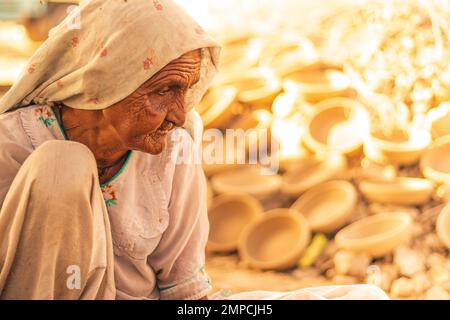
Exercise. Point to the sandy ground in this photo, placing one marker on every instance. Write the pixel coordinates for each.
(228, 274)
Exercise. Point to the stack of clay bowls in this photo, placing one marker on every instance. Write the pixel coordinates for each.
(275, 241)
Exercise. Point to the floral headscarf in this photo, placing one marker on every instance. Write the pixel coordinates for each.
(114, 48)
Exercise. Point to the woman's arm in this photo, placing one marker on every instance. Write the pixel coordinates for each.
(180, 257)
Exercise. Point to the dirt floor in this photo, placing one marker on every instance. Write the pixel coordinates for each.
(228, 274)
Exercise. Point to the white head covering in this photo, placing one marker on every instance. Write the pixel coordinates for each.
(120, 44)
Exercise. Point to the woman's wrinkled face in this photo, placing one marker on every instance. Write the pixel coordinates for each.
(143, 119)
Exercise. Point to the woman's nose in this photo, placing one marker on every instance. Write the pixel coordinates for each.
(178, 117)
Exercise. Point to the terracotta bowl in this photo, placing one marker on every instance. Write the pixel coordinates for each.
(327, 206)
(228, 216)
(257, 87)
(216, 107)
(400, 191)
(246, 180)
(376, 235)
(257, 119)
(435, 163)
(338, 124)
(215, 162)
(400, 147)
(275, 241)
(318, 82)
(309, 172)
(438, 120)
(289, 56)
(443, 226)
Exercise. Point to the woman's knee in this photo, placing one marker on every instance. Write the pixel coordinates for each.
(61, 167)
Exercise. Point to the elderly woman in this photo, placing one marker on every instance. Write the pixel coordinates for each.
(94, 204)
(89, 182)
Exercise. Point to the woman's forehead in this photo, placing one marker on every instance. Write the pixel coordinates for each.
(186, 66)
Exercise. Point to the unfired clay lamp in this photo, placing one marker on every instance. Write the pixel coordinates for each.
(400, 191)
(318, 82)
(257, 87)
(248, 180)
(443, 226)
(215, 162)
(435, 163)
(275, 241)
(401, 147)
(287, 57)
(228, 216)
(216, 107)
(376, 235)
(438, 120)
(311, 171)
(338, 124)
(327, 206)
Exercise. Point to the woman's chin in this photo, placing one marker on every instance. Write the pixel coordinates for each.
(154, 146)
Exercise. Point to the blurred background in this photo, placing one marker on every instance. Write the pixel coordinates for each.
(357, 94)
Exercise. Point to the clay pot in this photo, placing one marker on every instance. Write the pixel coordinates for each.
(435, 163)
(228, 215)
(443, 226)
(257, 88)
(309, 172)
(327, 206)
(275, 241)
(289, 55)
(337, 125)
(220, 162)
(400, 191)
(376, 235)
(318, 82)
(400, 147)
(247, 180)
(438, 120)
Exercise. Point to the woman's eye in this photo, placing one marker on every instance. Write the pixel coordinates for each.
(164, 90)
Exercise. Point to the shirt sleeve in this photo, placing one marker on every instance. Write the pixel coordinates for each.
(180, 256)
